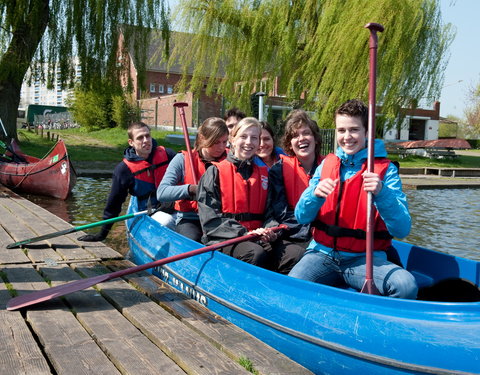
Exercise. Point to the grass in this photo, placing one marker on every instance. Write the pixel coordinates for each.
(102, 145)
(247, 364)
(461, 161)
(108, 145)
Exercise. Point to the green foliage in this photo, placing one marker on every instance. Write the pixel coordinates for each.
(318, 48)
(472, 113)
(91, 109)
(58, 33)
(124, 112)
(102, 107)
(247, 364)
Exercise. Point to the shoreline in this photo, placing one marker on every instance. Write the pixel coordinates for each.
(412, 178)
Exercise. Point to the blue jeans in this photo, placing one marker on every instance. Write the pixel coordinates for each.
(390, 279)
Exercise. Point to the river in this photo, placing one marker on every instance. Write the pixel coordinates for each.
(446, 220)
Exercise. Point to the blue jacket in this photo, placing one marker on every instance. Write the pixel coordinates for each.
(391, 202)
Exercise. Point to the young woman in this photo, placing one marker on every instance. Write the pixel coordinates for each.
(232, 198)
(267, 154)
(290, 176)
(335, 202)
(178, 183)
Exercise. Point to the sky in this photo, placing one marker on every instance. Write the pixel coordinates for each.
(464, 62)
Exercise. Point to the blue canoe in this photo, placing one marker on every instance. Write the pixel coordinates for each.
(329, 330)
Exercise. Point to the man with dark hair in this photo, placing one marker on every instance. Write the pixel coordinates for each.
(233, 116)
(139, 173)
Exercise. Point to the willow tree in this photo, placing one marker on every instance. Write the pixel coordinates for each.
(316, 47)
(56, 33)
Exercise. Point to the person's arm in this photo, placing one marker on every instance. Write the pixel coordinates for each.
(392, 205)
(278, 210)
(122, 181)
(309, 203)
(215, 227)
(169, 189)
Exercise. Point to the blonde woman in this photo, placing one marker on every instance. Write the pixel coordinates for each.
(232, 198)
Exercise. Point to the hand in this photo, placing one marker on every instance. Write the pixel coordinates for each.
(266, 234)
(372, 182)
(192, 190)
(325, 187)
(92, 237)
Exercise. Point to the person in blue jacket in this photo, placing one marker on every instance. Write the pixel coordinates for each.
(335, 204)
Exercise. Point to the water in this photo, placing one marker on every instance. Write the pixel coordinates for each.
(446, 220)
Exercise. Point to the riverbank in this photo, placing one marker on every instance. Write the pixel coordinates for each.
(412, 178)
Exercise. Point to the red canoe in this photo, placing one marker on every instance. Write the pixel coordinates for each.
(52, 176)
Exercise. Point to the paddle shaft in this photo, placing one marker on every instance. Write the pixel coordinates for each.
(75, 286)
(180, 106)
(75, 229)
(369, 286)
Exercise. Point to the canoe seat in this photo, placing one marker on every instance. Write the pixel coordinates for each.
(422, 279)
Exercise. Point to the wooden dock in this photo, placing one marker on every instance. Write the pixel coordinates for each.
(136, 325)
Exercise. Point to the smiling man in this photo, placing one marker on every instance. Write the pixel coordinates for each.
(139, 173)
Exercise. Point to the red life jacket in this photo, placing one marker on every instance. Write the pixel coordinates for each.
(295, 179)
(148, 176)
(186, 205)
(243, 200)
(341, 222)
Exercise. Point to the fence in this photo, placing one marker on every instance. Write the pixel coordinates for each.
(328, 140)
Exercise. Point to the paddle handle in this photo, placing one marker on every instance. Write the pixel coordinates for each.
(369, 286)
(75, 229)
(77, 285)
(180, 106)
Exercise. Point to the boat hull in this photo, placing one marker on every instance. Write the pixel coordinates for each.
(328, 330)
(52, 176)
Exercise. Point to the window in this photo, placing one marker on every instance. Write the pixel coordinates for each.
(169, 89)
(161, 88)
(152, 87)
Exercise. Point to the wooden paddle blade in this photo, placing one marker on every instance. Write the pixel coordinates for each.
(74, 286)
(56, 291)
(79, 228)
(40, 238)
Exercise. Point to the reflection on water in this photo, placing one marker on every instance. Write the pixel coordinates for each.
(85, 205)
(446, 220)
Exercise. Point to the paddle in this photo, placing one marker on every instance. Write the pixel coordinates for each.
(8, 147)
(180, 106)
(74, 286)
(369, 285)
(76, 229)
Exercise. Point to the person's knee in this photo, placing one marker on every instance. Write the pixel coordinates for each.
(401, 284)
(164, 219)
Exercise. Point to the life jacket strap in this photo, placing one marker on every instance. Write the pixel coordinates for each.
(337, 231)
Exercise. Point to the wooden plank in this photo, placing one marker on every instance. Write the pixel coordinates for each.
(19, 232)
(223, 334)
(100, 250)
(126, 347)
(19, 352)
(68, 346)
(9, 256)
(189, 350)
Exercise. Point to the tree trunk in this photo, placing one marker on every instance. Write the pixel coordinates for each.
(14, 64)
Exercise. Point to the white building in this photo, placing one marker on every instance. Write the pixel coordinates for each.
(38, 93)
